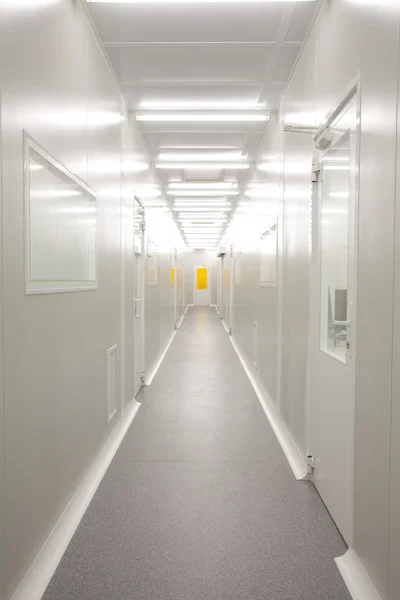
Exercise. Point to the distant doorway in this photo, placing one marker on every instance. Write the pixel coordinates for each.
(202, 291)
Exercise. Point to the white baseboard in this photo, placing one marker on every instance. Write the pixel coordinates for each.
(356, 577)
(37, 578)
(149, 379)
(225, 327)
(179, 323)
(295, 458)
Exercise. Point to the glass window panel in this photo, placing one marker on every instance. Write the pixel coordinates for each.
(61, 227)
(268, 257)
(334, 248)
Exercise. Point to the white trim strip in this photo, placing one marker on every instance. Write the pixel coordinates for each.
(295, 458)
(356, 577)
(226, 328)
(149, 380)
(37, 578)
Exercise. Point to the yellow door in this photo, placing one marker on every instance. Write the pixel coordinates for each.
(202, 278)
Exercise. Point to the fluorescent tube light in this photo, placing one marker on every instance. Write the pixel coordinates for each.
(200, 147)
(201, 105)
(204, 166)
(198, 156)
(201, 193)
(201, 118)
(202, 207)
(192, 1)
(203, 186)
(202, 216)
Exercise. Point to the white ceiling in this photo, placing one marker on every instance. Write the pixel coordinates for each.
(202, 53)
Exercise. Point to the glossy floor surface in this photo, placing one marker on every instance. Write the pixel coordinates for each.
(199, 502)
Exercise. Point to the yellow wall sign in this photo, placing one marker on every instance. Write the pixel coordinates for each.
(172, 274)
(202, 278)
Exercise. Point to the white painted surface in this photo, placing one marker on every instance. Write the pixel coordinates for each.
(57, 413)
(294, 456)
(332, 367)
(37, 578)
(366, 40)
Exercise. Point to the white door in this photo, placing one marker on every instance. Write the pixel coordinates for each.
(202, 292)
(139, 298)
(331, 416)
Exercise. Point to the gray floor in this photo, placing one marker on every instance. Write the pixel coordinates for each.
(199, 503)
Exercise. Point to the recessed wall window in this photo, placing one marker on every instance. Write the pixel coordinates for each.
(152, 263)
(60, 226)
(269, 257)
(334, 247)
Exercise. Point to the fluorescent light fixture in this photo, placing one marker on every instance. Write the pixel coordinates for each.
(201, 105)
(201, 147)
(167, 117)
(202, 228)
(204, 166)
(198, 156)
(200, 208)
(202, 216)
(223, 185)
(191, 1)
(202, 221)
(201, 193)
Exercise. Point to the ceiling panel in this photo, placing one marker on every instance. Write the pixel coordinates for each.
(285, 63)
(301, 21)
(211, 53)
(187, 23)
(190, 64)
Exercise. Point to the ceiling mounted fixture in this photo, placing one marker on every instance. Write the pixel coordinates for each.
(193, 1)
(207, 215)
(201, 105)
(206, 156)
(183, 185)
(204, 166)
(200, 206)
(202, 147)
(201, 193)
(201, 118)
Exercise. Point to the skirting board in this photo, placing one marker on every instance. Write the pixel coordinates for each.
(296, 460)
(153, 373)
(37, 578)
(226, 329)
(356, 577)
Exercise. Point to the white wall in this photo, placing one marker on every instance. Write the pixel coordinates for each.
(57, 84)
(350, 37)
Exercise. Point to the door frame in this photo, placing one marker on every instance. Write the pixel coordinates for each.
(348, 98)
(195, 267)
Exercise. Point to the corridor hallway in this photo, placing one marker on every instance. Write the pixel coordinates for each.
(199, 502)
